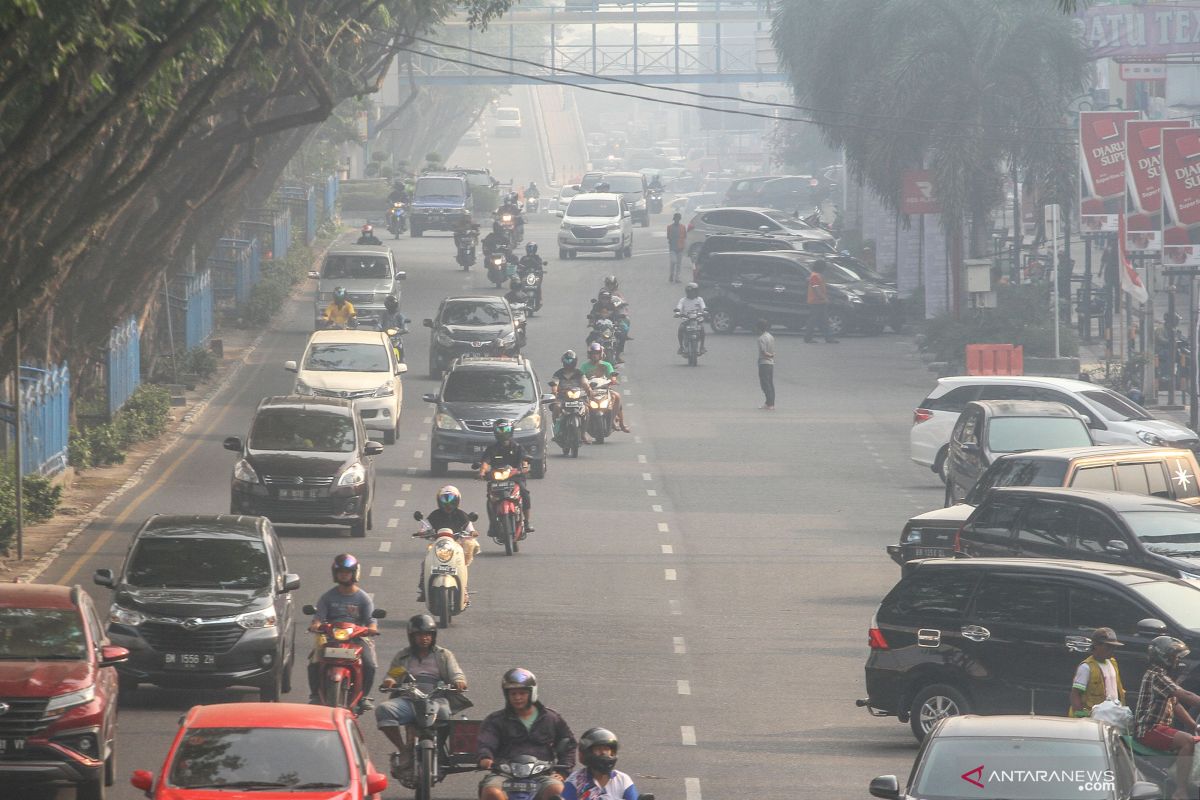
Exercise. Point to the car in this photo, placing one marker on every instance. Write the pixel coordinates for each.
(1112, 417)
(742, 190)
(686, 205)
(204, 600)
(1159, 471)
(468, 324)
(58, 690)
(354, 365)
(306, 461)
(632, 187)
(279, 750)
(589, 180)
(1004, 635)
(725, 219)
(507, 121)
(792, 193)
(753, 242)
(563, 199)
(480, 182)
(987, 429)
(596, 223)
(478, 390)
(441, 202)
(742, 288)
(471, 138)
(367, 273)
(1021, 756)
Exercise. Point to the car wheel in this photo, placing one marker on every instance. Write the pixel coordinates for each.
(721, 321)
(573, 254)
(126, 684)
(629, 250)
(619, 252)
(370, 519)
(270, 691)
(437, 467)
(389, 437)
(91, 790)
(285, 684)
(939, 464)
(694, 251)
(646, 222)
(874, 328)
(358, 530)
(110, 766)
(563, 254)
(934, 703)
(837, 322)
(537, 468)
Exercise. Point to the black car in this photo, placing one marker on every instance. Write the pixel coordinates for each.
(1004, 636)
(741, 288)
(750, 242)
(307, 461)
(204, 600)
(470, 325)
(475, 393)
(1114, 527)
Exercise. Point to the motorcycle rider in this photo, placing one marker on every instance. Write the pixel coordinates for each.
(399, 193)
(531, 261)
(508, 453)
(598, 778)
(523, 727)
(596, 365)
(531, 190)
(512, 206)
(367, 235)
(613, 287)
(566, 377)
(1161, 721)
(449, 515)
(428, 664)
(496, 241)
(691, 301)
(340, 311)
(516, 292)
(345, 602)
(391, 317)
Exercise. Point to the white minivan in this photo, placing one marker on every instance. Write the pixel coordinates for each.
(507, 121)
(596, 223)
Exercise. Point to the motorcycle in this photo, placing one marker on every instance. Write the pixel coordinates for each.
(339, 660)
(531, 204)
(395, 336)
(397, 219)
(506, 518)
(497, 268)
(445, 571)
(605, 332)
(440, 747)
(465, 245)
(531, 280)
(693, 330)
(600, 416)
(572, 416)
(654, 201)
(521, 774)
(512, 225)
(520, 314)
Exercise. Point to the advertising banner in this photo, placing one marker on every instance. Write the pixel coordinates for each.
(1141, 31)
(918, 197)
(1143, 183)
(1181, 196)
(1102, 168)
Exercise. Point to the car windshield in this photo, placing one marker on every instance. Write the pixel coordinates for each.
(1114, 407)
(341, 267)
(508, 113)
(347, 358)
(1168, 533)
(1178, 600)
(1025, 768)
(1018, 472)
(41, 633)
(478, 178)
(439, 187)
(474, 313)
(592, 207)
(260, 759)
(1014, 434)
(836, 273)
(477, 386)
(588, 181)
(302, 430)
(861, 271)
(787, 221)
(625, 183)
(191, 561)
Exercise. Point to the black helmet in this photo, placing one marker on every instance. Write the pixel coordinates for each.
(569, 359)
(692, 290)
(448, 498)
(391, 303)
(339, 293)
(421, 623)
(502, 428)
(593, 737)
(604, 298)
(531, 248)
(610, 283)
(519, 678)
(1167, 651)
(345, 561)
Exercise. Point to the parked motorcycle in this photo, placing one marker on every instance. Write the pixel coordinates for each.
(572, 416)
(445, 571)
(506, 518)
(339, 660)
(397, 219)
(600, 415)
(465, 245)
(693, 331)
(440, 747)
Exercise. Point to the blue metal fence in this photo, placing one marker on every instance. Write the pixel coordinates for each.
(303, 202)
(236, 266)
(45, 419)
(331, 195)
(193, 296)
(124, 363)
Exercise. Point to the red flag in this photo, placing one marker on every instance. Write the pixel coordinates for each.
(1131, 283)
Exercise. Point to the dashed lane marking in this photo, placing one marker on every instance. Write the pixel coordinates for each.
(656, 509)
(663, 527)
(683, 687)
(687, 734)
(667, 549)
(385, 547)
(669, 574)
(691, 788)
(680, 646)
(411, 471)
(641, 459)
(418, 453)
(424, 437)
(376, 572)
(427, 420)
(400, 503)
(406, 487)
(651, 493)
(394, 522)
(673, 607)
(646, 476)
(637, 440)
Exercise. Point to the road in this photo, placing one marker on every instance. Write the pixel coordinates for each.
(702, 586)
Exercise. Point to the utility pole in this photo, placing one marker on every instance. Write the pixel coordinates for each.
(1052, 219)
(17, 485)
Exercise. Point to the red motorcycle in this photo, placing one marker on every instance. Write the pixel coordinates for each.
(339, 660)
(506, 517)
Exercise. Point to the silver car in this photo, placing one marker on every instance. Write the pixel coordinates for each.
(367, 273)
(758, 220)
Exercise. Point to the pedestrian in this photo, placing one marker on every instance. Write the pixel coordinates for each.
(766, 363)
(1098, 678)
(818, 305)
(676, 246)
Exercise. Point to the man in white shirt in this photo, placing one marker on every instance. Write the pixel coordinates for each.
(691, 301)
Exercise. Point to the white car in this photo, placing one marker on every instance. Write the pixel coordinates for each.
(354, 365)
(564, 197)
(1112, 418)
(737, 219)
(507, 121)
(600, 222)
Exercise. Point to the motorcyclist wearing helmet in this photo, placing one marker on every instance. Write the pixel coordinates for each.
(506, 452)
(516, 292)
(531, 261)
(496, 241)
(1162, 721)
(691, 301)
(612, 286)
(523, 727)
(400, 193)
(449, 516)
(367, 235)
(569, 376)
(598, 778)
(426, 663)
(345, 602)
(340, 311)
(596, 366)
(531, 190)
(391, 317)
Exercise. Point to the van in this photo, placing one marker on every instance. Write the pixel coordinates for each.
(596, 222)
(507, 121)
(367, 273)
(440, 203)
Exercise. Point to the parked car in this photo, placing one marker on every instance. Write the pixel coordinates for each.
(279, 750)
(1113, 418)
(367, 273)
(997, 636)
(441, 201)
(477, 391)
(468, 324)
(354, 365)
(753, 242)
(307, 461)
(1157, 471)
(753, 220)
(791, 193)
(741, 288)
(204, 600)
(58, 691)
(987, 429)
(507, 121)
(741, 191)
(686, 205)
(596, 223)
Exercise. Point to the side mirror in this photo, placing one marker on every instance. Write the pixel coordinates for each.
(312, 273)
(144, 780)
(547, 398)
(376, 783)
(372, 448)
(428, 323)
(1116, 546)
(472, 516)
(233, 443)
(401, 275)
(1151, 627)
(429, 397)
(378, 613)
(969, 447)
(111, 654)
(103, 577)
(885, 786)
(1094, 424)
(401, 368)
(1141, 790)
(558, 213)
(291, 582)
(309, 609)
(291, 366)
(418, 516)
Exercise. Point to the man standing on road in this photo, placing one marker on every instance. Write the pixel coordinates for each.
(766, 364)
(676, 246)
(1097, 678)
(818, 305)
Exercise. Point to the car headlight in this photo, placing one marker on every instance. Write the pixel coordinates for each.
(63, 702)
(613, 227)
(264, 618)
(1151, 438)
(354, 475)
(387, 390)
(302, 388)
(242, 471)
(443, 339)
(445, 422)
(529, 423)
(125, 616)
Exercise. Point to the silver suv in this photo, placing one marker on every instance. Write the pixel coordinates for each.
(758, 220)
(367, 273)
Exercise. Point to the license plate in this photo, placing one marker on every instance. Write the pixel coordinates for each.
(502, 487)
(444, 569)
(930, 552)
(10, 746)
(341, 652)
(189, 661)
(479, 448)
(299, 494)
(520, 786)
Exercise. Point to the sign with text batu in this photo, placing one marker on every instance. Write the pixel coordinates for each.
(1102, 167)
(1143, 183)
(1181, 196)
(917, 193)
(1141, 31)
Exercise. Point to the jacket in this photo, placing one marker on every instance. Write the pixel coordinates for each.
(503, 736)
(448, 671)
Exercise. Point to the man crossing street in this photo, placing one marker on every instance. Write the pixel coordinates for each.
(676, 246)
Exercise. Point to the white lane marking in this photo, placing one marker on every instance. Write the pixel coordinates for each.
(400, 503)
(687, 734)
(668, 574)
(667, 549)
(691, 788)
(626, 390)
(394, 522)
(629, 404)
(637, 440)
(385, 547)
(656, 509)
(651, 493)
(406, 487)
(427, 420)
(673, 607)
(641, 459)
(411, 471)
(424, 437)
(683, 687)
(680, 646)
(663, 527)
(418, 453)
(647, 477)
(376, 572)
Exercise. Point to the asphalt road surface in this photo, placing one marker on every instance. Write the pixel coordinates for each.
(702, 586)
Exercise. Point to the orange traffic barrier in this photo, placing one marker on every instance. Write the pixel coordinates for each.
(995, 359)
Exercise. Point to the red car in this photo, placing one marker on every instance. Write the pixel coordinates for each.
(275, 750)
(58, 699)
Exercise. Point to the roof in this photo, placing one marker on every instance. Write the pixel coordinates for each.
(478, 298)
(264, 715)
(601, 195)
(1100, 452)
(1022, 725)
(623, 173)
(1024, 408)
(358, 249)
(470, 362)
(303, 401)
(1122, 573)
(757, 209)
(348, 337)
(1119, 502)
(36, 595)
(1063, 383)
(177, 524)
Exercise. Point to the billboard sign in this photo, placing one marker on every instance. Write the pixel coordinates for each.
(1141, 31)
(918, 196)
(1143, 183)
(1102, 168)
(1181, 196)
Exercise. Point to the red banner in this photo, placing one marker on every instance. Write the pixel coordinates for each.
(1141, 31)
(1143, 183)
(1181, 196)
(917, 195)
(1102, 167)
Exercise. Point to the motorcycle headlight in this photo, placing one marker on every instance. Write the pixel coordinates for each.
(531, 280)
(341, 634)
(445, 422)
(264, 618)
(60, 704)
(302, 388)
(125, 616)
(594, 404)
(444, 551)
(1151, 438)
(529, 423)
(354, 475)
(243, 472)
(387, 390)
(443, 339)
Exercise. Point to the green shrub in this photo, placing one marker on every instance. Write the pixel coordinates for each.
(39, 501)
(143, 417)
(278, 278)
(199, 361)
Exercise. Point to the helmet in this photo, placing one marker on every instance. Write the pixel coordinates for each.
(502, 428)
(610, 283)
(598, 736)
(569, 359)
(533, 184)
(519, 678)
(448, 498)
(391, 303)
(692, 290)
(367, 230)
(345, 561)
(339, 293)
(1167, 651)
(531, 248)
(421, 623)
(595, 347)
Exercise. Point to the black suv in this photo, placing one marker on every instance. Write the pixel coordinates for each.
(470, 325)
(307, 461)
(204, 600)
(741, 288)
(1004, 636)
(477, 391)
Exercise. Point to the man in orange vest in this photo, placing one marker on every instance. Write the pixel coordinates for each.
(1097, 679)
(676, 246)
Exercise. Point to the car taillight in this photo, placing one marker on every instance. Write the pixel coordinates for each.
(876, 640)
(958, 538)
(921, 415)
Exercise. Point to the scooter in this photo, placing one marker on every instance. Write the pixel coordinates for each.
(693, 331)
(465, 245)
(339, 660)
(600, 415)
(397, 219)
(500, 268)
(506, 517)
(654, 201)
(531, 204)
(605, 332)
(572, 417)
(444, 573)
(531, 274)
(440, 747)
